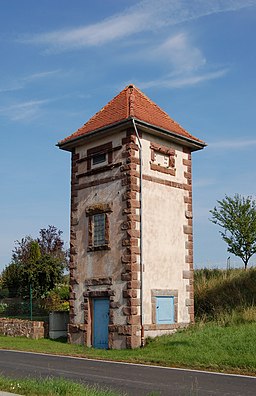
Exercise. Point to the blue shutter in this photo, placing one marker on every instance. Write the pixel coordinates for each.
(165, 310)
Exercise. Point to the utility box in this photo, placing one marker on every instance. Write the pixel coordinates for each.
(58, 324)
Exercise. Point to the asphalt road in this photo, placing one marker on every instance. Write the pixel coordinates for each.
(136, 380)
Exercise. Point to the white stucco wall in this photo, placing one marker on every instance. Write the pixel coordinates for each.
(163, 237)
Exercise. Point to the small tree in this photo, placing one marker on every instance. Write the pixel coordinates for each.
(37, 262)
(237, 216)
(11, 279)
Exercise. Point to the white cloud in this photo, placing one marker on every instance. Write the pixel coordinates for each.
(147, 15)
(180, 53)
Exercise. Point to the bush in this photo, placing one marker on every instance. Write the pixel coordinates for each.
(4, 293)
(57, 299)
(3, 307)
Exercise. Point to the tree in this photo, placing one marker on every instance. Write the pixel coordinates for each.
(11, 277)
(38, 262)
(237, 216)
(50, 243)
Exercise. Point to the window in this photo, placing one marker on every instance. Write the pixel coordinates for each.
(99, 229)
(98, 158)
(98, 226)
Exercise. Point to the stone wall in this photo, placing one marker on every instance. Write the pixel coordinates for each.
(25, 328)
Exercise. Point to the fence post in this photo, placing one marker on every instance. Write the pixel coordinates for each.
(31, 301)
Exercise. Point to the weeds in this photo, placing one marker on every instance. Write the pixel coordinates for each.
(225, 296)
(51, 387)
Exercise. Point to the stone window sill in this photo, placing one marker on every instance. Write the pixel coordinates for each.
(98, 248)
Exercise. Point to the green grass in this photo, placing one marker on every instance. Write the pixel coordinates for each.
(208, 346)
(50, 387)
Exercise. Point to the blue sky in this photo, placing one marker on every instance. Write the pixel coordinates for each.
(61, 61)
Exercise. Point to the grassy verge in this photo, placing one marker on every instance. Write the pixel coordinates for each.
(50, 387)
(225, 295)
(207, 346)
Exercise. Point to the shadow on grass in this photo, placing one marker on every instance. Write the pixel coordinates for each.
(177, 343)
(61, 340)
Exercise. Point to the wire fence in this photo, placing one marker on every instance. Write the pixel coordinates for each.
(15, 304)
(23, 309)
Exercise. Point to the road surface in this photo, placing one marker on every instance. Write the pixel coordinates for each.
(136, 380)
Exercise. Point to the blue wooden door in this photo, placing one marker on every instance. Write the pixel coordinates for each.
(100, 322)
(165, 309)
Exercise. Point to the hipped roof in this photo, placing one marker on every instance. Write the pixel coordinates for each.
(131, 103)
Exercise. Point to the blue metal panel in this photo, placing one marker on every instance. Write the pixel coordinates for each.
(165, 310)
(100, 322)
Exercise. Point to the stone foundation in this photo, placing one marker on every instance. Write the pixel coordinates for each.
(25, 328)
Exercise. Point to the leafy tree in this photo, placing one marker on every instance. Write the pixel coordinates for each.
(11, 277)
(50, 243)
(237, 216)
(38, 262)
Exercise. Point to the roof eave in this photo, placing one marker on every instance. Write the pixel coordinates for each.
(194, 144)
(73, 142)
(183, 140)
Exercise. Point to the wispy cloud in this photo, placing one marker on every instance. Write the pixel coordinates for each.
(183, 81)
(233, 144)
(41, 75)
(24, 111)
(181, 54)
(147, 15)
(23, 81)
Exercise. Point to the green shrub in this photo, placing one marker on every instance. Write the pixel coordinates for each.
(57, 299)
(4, 293)
(3, 307)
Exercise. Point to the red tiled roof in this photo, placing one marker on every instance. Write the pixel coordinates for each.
(131, 102)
